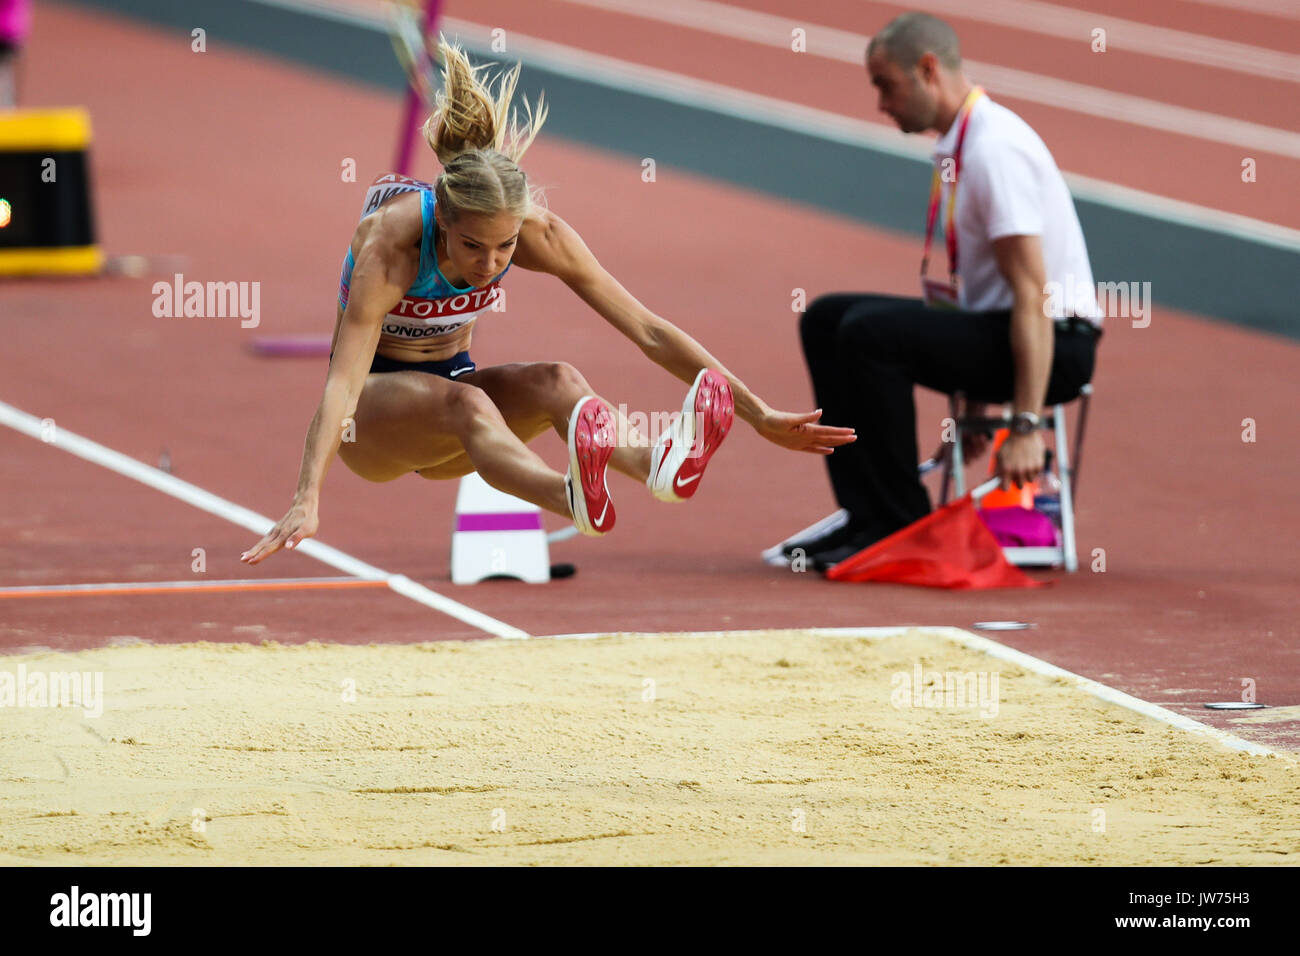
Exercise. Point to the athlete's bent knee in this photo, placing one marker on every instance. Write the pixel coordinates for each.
(561, 377)
(471, 408)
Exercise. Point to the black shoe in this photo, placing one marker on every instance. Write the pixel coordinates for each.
(831, 539)
(860, 540)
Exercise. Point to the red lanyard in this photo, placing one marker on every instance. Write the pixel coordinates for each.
(936, 190)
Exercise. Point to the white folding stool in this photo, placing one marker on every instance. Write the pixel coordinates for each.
(1067, 470)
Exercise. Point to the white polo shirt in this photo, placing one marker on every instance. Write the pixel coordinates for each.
(1010, 186)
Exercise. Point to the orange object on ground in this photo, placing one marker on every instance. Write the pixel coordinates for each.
(948, 548)
(1018, 496)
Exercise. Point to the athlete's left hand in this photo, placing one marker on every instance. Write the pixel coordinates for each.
(802, 433)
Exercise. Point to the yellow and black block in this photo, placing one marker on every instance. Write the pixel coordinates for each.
(47, 223)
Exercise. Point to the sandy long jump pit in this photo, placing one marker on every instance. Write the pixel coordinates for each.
(773, 747)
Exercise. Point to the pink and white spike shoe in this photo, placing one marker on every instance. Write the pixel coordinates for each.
(592, 438)
(681, 453)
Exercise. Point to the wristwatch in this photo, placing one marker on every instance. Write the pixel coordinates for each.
(1024, 423)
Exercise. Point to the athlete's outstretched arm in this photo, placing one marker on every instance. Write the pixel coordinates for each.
(548, 244)
(377, 286)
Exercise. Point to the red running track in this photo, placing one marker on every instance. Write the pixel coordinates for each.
(1200, 588)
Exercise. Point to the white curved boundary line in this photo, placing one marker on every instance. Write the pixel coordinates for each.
(1001, 652)
(1286, 9)
(1083, 98)
(128, 467)
(698, 94)
(1045, 19)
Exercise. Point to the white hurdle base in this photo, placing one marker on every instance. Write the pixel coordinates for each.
(497, 535)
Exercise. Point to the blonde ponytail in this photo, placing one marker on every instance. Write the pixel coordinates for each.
(478, 139)
(469, 114)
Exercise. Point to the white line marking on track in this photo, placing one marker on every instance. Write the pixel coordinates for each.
(1286, 9)
(1107, 693)
(1045, 19)
(844, 46)
(128, 467)
(993, 649)
(770, 111)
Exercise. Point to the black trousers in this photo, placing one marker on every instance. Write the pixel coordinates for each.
(865, 354)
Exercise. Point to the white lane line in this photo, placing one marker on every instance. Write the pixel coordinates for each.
(1045, 19)
(591, 67)
(1137, 111)
(993, 649)
(1123, 198)
(1068, 23)
(831, 43)
(361, 12)
(768, 111)
(1108, 693)
(847, 47)
(128, 467)
(1287, 9)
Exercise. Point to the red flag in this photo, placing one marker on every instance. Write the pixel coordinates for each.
(948, 548)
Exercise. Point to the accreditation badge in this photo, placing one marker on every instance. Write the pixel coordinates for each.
(936, 294)
(939, 295)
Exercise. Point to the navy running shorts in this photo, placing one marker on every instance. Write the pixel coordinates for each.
(452, 368)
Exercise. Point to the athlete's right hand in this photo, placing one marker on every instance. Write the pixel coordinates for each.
(301, 522)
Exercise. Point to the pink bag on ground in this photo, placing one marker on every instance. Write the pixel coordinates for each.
(1020, 527)
(15, 21)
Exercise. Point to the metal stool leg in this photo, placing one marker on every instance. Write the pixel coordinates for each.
(952, 461)
(958, 461)
(1069, 553)
(1085, 399)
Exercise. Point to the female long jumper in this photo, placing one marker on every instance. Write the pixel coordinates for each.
(424, 263)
